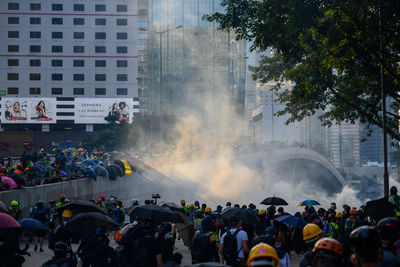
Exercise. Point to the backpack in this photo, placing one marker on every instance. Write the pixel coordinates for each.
(230, 250)
(200, 247)
(140, 252)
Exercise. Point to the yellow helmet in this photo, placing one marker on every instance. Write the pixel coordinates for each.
(207, 210)
(191, 205)
(67, 213)
(262, 212)
(310, 231)
(263, 250)
(338, 214)
(183, 202)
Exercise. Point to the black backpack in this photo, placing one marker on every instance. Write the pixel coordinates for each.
(230, 250)
(140, 252)
(201, 247)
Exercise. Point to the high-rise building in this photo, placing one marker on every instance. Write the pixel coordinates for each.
(65, 65)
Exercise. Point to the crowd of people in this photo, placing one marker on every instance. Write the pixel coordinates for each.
(235, 235)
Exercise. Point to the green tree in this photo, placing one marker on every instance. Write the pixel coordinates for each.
(330, 49)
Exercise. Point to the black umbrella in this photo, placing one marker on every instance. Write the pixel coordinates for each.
(171, 206)
(3, 207)
(18, 178)
(156, 214)
(86, 223)
(80, 206)
(112, 173)
(379, 208)
(292, 221)
(120, 164)
(245, 216)
(117, 169)
(274, 201)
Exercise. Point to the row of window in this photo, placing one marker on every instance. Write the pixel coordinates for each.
(60, 48)
(60, 21)
(60, 7)
(60, 62)
(59, 91)
(59, 77)
(76, 35)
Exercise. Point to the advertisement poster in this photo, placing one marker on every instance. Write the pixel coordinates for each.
(28, 110)
(94, 110)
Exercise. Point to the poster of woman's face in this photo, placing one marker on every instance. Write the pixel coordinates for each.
(15, 110)
(41, 109)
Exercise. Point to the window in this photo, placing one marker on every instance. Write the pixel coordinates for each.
(35, 21)
(100, 77)
(34, 76)
(34, 63)
(122, 91)
(57, 35)
(100, 63)
(79, 91)
(79, 49)
(122, 49)
(100, 91)
(13, 34)
(13, 20)
(36, 6)
(12, 90)
(79, 21)
(79, 35)
(100, 35)
(79, 63)
(57, 49)
(122, 77)
(100, 49)
(34, 91)
(57, 21)
(35, 48)
(122, 63)
(56, 77)
(100, 7)
(13, 48)
(142, 35)
(122, 22)
(12, 76)
(100, 22)
(13, 6)
(142, 24)
(56, 63)
(122, 35)
(57, 7)
(122, 8)
(35, 35)
(79, 77)
(56, 91)
(13, 62)
(79, 7)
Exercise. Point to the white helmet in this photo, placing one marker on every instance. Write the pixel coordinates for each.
(135, 202)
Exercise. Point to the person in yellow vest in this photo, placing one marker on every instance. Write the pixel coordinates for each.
(395, 200)
(331, 228)
(184, 207)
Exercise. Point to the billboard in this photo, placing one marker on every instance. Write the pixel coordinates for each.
(94, 110)
(28, 110)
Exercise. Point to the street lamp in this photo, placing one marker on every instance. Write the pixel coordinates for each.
(161, 84)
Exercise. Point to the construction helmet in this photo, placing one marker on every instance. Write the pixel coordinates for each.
(262, 212)
(207, 210)
(62, 197)
(329, 244)
(14, 203)
(311, 231)
(191, 205)
(339, 214)
(183, 202)
(19, 166)
(353, 212)
(263, 252)
(67, 213)
(388, 228)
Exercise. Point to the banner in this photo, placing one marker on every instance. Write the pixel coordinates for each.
(94, 110)
(28, 110)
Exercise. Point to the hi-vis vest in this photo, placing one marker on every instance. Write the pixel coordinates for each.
(395, 199)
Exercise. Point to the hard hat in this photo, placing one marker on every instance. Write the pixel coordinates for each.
(75, 156)
(207, 210)
(339, 214)
(26, 169)
(183, 202)
(353, 212)
(62, 197)
(388, 228)
(14, 203)
(329, 244)
(196, 202)
(135, 201)
(67, 213)
(366, 243)
(261, 251)
(191, 205)
(393, 190)
(102, 196)
(311, 231)
(112, 199)
(262, 212)
(19, 166)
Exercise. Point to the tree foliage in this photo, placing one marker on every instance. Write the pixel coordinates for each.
(330, 49)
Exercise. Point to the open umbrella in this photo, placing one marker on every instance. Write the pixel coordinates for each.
(292, 221)
(6, 221)
(171, 206)
(33, 224)
(88, 162)
(18, 178)
(117, 169)
(80, 206)
(9, 181)
(90, 173)
(63, 173)
(379, 208)
(86, 223)
(3, 207)
(245, 216)
(156, 214)
(308, 202)
(100, 171)
(121, 165)
(128, 169)
(112, 173)
(274, 201)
